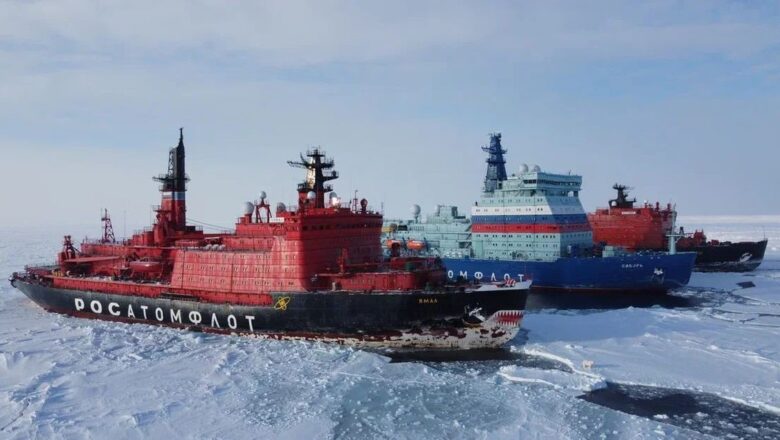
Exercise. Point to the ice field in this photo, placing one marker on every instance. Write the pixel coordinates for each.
(709, 367)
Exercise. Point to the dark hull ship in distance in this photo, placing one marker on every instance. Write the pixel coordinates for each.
(532, 225)
(648, 227)
(312, 272)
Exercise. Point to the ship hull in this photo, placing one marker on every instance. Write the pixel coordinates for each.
(728, 257)
(382, 320)
(639, 273)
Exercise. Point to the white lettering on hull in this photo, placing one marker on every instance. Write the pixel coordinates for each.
(480, 275)
(176, 315)
(95, 306)
(195, 317)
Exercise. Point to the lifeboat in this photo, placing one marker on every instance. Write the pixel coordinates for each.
(416, 245)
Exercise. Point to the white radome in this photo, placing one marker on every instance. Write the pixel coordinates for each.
(524, 168)
(311, 195)
(263, 195)
(249, 208)
(415, 209)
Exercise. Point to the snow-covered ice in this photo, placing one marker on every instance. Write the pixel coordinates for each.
(63, 377)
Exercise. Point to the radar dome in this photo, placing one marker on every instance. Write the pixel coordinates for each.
(536, 169)
(249, 208)
(415, 210)
(311, 195)
(262, 195)
(280, 207)
(524, 168)
(333, 195)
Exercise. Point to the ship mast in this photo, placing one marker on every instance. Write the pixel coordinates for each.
(319, 170)
(173, 186)
(108, 228)
(622, 200)
(496, 169)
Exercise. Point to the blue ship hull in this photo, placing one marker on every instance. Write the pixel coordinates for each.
(651, 273)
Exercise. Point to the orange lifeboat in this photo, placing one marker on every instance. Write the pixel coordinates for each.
(416, 245)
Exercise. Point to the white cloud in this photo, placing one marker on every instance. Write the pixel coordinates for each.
(304, 33)
(243, 78)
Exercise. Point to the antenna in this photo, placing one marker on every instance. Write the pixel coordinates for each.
(108, 228)
(319, 170)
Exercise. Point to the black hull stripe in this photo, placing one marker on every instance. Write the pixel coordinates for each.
(303, 314)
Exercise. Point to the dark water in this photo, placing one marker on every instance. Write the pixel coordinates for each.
(486, 361)
(702, 412)
(613, 300)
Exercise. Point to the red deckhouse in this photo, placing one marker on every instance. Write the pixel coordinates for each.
(320, 244)
(633, 228)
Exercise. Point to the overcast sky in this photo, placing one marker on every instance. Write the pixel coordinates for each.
(680, 100)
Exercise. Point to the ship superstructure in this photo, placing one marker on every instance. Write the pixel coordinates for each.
(650, 227)
(444, 232)
(533, 215)
(632, 227)
(532, 224)
(311, 271)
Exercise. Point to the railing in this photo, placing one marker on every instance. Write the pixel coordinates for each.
(122, 242)
(41, 266)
